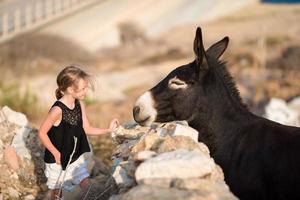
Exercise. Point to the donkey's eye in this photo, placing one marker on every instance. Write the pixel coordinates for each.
(176, 83)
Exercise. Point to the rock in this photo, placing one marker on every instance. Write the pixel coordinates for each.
(123, 150)
(149, 141)
(19, 143)
(158, 182)
(217, 174)
(278, 110)
(144, 155)
(116, 162)
(177, 128)
(180, 142)
(16, 124)
(13, 193)
(130, 125)
(11, 157)
(295, 104)
(219, 188)
(13, 117)
(7, 131)
(121, 134)
(29, 197)
(174, 165)
(122, 178)
(147, 192)
(23, 169)
(28, 178)
(97, 167)
(130, 167)
(14, 176)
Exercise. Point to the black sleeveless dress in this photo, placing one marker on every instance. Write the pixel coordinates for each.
(61, 136)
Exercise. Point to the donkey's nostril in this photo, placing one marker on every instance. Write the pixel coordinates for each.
(136, 110)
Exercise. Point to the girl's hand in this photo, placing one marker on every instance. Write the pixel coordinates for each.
(57, 158)
(114, 124)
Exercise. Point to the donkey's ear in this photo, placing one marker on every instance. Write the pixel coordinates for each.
(217, 49)
(199, 50)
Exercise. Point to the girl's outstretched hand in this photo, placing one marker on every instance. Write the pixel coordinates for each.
(114, 124)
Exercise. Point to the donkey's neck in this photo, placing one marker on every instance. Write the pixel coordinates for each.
(221, 126)
(225, 112)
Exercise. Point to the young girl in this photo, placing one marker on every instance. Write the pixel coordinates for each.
(64, 131)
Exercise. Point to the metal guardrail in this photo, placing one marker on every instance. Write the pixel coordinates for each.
(31, 15)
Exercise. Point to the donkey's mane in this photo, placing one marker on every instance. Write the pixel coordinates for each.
(222, 74)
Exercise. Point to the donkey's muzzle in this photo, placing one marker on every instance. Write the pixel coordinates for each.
(143, 111)
(137, 114)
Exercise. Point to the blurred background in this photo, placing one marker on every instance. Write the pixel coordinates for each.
(129, 45)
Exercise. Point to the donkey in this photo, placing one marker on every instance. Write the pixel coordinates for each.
(260, 158)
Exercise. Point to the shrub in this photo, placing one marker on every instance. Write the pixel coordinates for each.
(22, 101)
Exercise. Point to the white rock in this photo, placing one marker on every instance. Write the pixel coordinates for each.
(186, 131)
(14, 117)
(145, 155)
(176, 164)
(277, 110)
(295, 104)
(14, 176)
(21, 131)
(19, 142)
(178, 128)
(29, 197)
(2, 116)
(12, 192)
(37, 154)
(121, 177)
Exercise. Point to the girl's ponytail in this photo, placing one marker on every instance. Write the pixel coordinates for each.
(58, 93)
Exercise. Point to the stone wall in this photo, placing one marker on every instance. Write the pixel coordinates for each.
(165, 161)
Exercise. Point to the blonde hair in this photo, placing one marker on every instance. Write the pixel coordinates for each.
(68, 77)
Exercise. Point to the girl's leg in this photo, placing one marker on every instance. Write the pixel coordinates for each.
(55, 194)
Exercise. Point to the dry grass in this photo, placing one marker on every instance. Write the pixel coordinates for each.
(20, 101)
(35, 54)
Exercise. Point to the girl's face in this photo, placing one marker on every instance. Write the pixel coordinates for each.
(79, 91)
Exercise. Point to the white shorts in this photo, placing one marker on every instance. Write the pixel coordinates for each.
(74, 173)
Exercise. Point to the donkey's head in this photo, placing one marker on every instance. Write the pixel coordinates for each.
(179, 94)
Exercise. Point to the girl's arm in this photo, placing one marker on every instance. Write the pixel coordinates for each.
(54, 114)
(89, 130)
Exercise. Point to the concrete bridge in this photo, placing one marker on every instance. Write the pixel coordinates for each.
(94, 23)
(19, 16)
